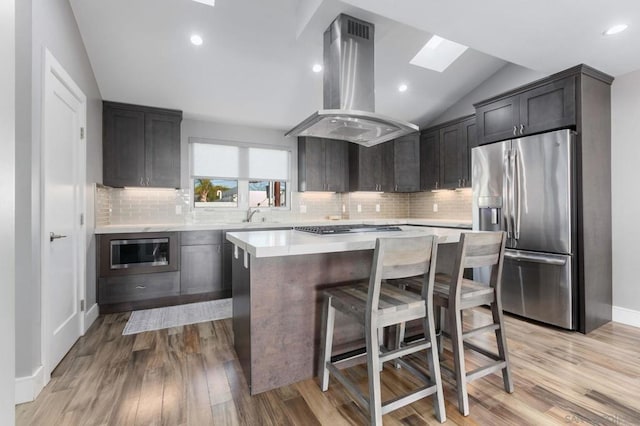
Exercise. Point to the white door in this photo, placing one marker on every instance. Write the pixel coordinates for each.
(63, 177)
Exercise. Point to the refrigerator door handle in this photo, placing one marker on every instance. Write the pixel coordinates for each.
(517, 189)
(535, 258)
(507, 192)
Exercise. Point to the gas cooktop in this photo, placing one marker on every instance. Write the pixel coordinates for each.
(346, 229)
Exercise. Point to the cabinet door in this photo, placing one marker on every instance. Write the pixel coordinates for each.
(497, 120)
(451, 156)
(407, 163)
(430, 160)
(365, 164)
(548, 107)
(123, 147)
(470, 141)
(162, 150)
(387, 178)
(335, 165)
(200, 269)
(227, 259)
(311, 164)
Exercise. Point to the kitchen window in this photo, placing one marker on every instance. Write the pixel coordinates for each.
(237, 175)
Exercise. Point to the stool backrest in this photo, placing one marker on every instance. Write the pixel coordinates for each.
(402, 257)
(477, 250)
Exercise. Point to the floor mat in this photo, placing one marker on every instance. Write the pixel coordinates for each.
(174, 316)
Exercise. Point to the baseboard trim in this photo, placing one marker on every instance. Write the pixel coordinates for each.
(626, 316)
(90, 316)
(29, 387)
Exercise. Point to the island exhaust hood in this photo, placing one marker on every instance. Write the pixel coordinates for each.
(348, 89)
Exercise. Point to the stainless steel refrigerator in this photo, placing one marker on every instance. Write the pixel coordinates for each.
(525, 186)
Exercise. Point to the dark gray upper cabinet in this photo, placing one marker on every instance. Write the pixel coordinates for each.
(544, 105)
(365, 167)
(469, 134)
(429, 160)
(322, 165)
(388, 167)
(451, 153)
(141, 146)
(446, 154)
(406, 163)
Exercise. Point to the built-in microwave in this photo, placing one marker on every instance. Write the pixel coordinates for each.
(139, 253)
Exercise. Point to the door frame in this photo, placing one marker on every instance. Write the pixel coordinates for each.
(52, 69)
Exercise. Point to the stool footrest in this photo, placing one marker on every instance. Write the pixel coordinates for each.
(483, 351)
(480, 330)
(396, 403)
(404, 350)
(494, 367)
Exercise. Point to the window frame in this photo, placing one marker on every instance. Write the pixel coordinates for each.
(243, 182)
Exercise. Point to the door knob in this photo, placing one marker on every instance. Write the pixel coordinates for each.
(53, 236)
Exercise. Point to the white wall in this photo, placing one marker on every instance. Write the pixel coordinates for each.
(7, 212)
(625, 152)
(231, 133)
(506, 78)
(46, 24)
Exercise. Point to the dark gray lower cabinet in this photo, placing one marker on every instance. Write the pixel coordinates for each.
(201, 269)
(138, 287)
(200, 262)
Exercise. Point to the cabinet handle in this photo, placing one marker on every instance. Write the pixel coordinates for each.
(396, 186)
(522, 129)
(515, 130)
(141, 181)
(328, 187)
(436, 184)
(148, 181)
(141, 286)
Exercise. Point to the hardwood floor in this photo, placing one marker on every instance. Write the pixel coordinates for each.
(190, 376)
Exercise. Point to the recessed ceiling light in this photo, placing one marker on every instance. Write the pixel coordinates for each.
(616, 29)
(317, 68)
(402, 88)
(207, 2)
(438, 53)
(196, 39)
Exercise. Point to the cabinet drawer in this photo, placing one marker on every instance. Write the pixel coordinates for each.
(194, 238)
(138, 287)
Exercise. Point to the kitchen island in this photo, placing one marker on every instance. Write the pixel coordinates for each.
(277, 284)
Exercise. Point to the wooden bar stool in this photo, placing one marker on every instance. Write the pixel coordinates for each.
(456, 293)
(376, 305)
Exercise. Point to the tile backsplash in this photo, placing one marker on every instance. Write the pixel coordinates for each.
(116, 206)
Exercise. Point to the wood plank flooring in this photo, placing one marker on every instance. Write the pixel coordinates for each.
(190, 376)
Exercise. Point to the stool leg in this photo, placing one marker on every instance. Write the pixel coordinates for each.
(326, 342)
(501, 340)
(400, 331)
(440, 322)
(373, 370)
(434, 366)
(458, 356)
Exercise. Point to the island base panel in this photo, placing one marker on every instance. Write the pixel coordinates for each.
(277, 309)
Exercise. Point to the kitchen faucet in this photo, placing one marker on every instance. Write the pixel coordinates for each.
(251, 212)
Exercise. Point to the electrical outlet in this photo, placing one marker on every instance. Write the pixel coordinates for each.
(377, 208)
(435, 207)
(303, 208)
(178, 209)
(359, 208)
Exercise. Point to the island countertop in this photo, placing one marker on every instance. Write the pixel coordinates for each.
(291, 242)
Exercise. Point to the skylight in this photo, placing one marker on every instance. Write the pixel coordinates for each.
(438, 54)
(207, 2)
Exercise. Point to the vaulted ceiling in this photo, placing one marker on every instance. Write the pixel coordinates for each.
(254, 66)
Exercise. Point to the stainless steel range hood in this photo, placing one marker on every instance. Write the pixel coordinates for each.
(349, 100)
